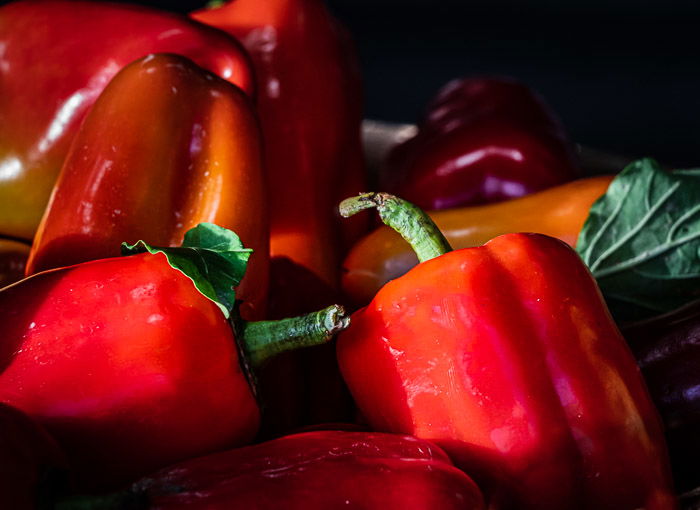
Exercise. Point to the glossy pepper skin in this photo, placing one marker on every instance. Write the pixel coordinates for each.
(311, 471)
(166, 146)
(31, 464)
(667, 349)
(559, 212)
(57, 57)
(481, 140)
(310, 106)
(309, 103)
(506, 356)
(126, 365)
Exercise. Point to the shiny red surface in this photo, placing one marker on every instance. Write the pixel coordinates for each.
(166, 146)
(56, 58)
(27, 455)
(318, 471)
(506, 356)
(309, 102)
(482, 140)
(126, 365)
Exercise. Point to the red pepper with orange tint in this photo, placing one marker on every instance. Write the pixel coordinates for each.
(506, 356)
(166, 146)
(133, 363)
(482, 140)
(309, 101)
(310, 471)
(56, 58)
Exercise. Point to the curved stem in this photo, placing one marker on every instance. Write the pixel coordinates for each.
(414, 225)
(263, 340)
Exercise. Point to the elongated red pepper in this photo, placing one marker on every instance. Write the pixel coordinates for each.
(482, 140)
(165, 147)
(30, 462)
(56, 57)
(309, 102)
(310, 471)
(507, 357)
(130, 367)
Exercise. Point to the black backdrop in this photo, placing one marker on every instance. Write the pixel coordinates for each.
(622, 74)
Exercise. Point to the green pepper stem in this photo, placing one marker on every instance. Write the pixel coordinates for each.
(414, 225)
(263, 340)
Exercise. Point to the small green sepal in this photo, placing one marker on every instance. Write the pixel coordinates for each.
(212, 257)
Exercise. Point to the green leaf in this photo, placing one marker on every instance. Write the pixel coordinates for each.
(211, 256)
(641, 240)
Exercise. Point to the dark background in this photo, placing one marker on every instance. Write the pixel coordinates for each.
(622, 74)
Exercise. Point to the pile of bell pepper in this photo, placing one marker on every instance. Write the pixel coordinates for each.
(194, 313)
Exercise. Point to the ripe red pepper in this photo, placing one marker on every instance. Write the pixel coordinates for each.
(31, 464)
(506, 356)
(57, 56)
(166, 146)
(482, 140)
(310, 471)
(309, 102)
(130, 367)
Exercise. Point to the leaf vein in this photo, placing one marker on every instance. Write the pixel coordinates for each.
(634, 231)
(643, 257)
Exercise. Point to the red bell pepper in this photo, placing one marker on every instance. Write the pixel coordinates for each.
(31, 464)
(310, 471)
(309, 102)
(482, 140)
(506, 356)
(56, 57)
(130, 367)
(166, 146)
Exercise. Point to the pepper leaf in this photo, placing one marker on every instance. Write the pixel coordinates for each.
(641, 240)
(211, 256)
